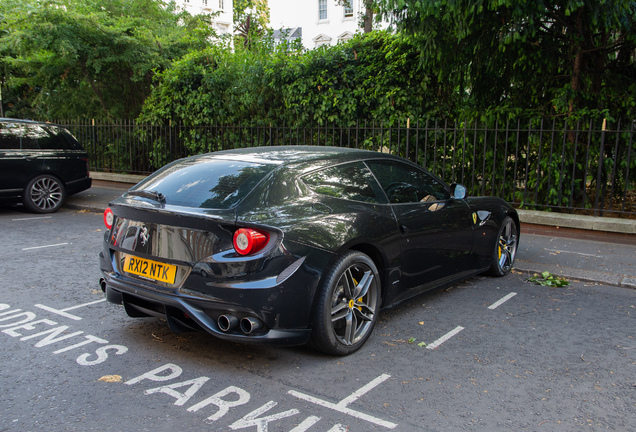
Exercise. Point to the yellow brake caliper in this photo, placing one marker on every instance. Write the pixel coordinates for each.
(351, 302)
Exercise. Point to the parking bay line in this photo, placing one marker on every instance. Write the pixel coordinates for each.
(32, 218)
(42, 247)
(501, 301)
(63, 313)
(444, 338)
(342, 405)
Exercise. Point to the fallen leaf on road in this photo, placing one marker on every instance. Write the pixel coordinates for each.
(111, 378)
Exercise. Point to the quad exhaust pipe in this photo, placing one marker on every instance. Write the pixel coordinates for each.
(248, 325)
(227, 322)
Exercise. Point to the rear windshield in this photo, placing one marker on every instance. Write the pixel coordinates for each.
(206, 182)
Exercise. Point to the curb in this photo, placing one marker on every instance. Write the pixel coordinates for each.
(590, 223)
(117, 178)
(571, 274)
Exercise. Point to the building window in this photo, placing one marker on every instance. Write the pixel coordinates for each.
(346, 36)
(321, 40)
(205, 2)
(348, 9)
(221, 5)
(322, 10)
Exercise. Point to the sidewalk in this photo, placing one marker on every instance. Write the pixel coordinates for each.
(603, 253)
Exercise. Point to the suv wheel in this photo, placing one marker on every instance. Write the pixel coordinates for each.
(44, 194)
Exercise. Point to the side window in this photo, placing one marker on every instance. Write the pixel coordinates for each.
(403, 183)
(52, 138)
(350, 181)
(31, 136)
(9, 136)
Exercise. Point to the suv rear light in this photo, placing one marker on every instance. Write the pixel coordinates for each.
(248, 241)
(108, 218)
(88, 170)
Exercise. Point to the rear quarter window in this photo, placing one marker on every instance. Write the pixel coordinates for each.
(349, 181)
(56, 138)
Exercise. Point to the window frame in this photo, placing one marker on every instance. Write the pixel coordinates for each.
(379, 197)
(434, 181)
(345, 10)
(322, 9)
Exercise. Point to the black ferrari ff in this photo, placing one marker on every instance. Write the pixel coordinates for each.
(293, 245)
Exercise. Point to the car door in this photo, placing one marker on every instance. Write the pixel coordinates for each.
(437, 230)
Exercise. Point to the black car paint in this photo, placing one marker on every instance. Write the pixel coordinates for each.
(18, 166)
(311, 230)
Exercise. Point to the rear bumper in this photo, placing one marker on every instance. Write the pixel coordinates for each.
(282, 311)
(76, 186)
(183, 315)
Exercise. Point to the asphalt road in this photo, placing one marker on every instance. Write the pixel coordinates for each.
(485, 355)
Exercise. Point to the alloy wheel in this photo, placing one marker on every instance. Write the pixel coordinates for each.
(354, 304)
(507, 248)
(46, 194)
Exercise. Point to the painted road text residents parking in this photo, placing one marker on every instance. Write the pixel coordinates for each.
(26, 326)
(20, 324)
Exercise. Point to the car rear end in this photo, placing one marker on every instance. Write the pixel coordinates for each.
(175, 250)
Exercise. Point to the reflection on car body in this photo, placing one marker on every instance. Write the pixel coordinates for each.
(290, 245)
(40, 165)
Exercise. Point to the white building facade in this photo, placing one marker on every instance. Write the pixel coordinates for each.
(317, 22)
(222, 22)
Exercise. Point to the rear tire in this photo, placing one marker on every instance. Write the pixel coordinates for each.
(347, 305)
(505, 248)
(44, 194)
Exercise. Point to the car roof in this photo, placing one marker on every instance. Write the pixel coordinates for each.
(23, 121)
(300, 157)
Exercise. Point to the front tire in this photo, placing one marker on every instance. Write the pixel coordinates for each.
(505, 248)
(347, 306)
(44, 194)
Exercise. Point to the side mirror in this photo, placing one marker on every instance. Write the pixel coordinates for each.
(458, 191)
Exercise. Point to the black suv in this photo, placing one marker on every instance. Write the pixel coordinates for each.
(40, 164)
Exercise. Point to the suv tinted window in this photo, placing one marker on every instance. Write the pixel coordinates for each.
(206, 182)
(350, 181)
(406, 184)
(30, 136)
(9, 136)
(23, 136)
(54, 137)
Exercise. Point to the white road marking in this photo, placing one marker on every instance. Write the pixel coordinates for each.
(501, 301)
(47, 246)
(63, 313)
(32, 218)
(575, 253)
(341, 406)
(444, 338)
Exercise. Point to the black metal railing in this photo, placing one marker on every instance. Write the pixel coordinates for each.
(559, 165)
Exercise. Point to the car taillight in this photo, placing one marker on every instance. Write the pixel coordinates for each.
(108, 218)
(248, 241)
(88, 170)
